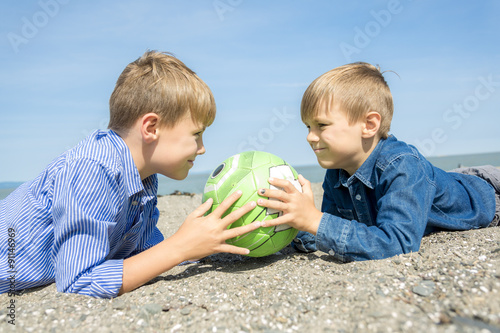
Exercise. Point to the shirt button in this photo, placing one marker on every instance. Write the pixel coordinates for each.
(331, 252)
(358, 197)
(135, 203)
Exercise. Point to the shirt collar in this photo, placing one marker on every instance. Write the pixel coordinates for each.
(133, 181)
(365, 172)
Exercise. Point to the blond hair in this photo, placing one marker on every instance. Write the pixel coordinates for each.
(358, 88)
(160, 83)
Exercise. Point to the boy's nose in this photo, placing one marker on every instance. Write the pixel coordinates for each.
(201, 150)
(312, 137)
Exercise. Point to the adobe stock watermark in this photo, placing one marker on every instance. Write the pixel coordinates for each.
(31, 26)
(277, 123)
(222, 7)
(454, 116)
(364, 36)
(11, 261)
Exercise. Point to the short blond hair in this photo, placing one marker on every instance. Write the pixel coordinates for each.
(160, 83)
(358, 88)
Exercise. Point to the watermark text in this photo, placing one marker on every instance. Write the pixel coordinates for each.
(222, 7)
(363, 36)
(31, 26)
(454, 116)
(277, 123)
(11, 260)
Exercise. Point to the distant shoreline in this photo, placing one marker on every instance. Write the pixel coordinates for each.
(450, 162)
(195, 182)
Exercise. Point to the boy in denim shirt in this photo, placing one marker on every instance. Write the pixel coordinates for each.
(381, 196)
(88, 221)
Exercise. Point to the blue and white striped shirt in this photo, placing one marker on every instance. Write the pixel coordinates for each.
(76, 222)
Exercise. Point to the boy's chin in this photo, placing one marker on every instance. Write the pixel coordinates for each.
(179, 176)
(326, 165)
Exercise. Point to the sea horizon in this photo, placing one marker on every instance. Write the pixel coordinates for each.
(195, 182)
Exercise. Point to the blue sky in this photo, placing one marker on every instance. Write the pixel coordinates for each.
(60, 61)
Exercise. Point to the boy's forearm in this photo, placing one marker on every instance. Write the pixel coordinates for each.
(143, 267)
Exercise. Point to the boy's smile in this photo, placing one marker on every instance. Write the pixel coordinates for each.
(318, 150)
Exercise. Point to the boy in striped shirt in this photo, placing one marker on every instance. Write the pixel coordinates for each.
(88, 221)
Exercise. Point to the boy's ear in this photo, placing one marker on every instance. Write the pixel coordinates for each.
(149, 127)
(371, 124)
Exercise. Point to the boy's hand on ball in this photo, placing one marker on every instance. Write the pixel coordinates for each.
(298, 208)
(206, 235)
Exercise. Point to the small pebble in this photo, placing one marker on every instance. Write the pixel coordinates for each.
(424, 288)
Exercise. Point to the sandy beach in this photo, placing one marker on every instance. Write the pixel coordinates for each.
(451, 285)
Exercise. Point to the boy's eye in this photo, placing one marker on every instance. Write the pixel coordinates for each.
(200, 132)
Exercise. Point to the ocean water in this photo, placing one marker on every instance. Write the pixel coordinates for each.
(455, 161)
(195, 183)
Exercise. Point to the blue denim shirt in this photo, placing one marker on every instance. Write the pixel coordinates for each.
(393, 200)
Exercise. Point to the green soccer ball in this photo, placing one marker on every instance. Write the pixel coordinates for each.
(249, 172)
